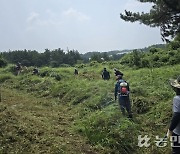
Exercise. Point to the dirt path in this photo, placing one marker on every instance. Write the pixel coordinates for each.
(31, 125)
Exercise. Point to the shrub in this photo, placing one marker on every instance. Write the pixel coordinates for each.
(93, 63)
(64, 65)
(153, 50)
(175, 45)
(173, 60)
(3, 63)
(5, 77)
(145, 62)
(164, 58)
(10, 69)
(54, 64)
(155, 58)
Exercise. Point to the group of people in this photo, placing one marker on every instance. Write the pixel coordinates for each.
(20, 68)
(121, 94)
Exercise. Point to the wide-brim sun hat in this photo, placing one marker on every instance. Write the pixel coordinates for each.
(175, 82)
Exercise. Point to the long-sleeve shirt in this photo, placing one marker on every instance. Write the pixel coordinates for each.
(175, 122)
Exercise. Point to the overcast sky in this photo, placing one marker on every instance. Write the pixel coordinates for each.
(83, 25)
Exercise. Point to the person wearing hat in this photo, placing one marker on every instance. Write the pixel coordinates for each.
(122, 92)
(117, 72)
(174, 128)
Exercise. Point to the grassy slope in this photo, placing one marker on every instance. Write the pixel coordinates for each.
(30, 125)
(75, 113)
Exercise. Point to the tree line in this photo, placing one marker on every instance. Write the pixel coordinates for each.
(58, 57)
(54, 58)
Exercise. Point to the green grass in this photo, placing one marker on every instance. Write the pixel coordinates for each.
(77, 113)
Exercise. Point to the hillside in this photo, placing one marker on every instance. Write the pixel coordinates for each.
(77, 114)
(119, 52)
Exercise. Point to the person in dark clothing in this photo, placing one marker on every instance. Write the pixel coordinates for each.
(75, 71)
(18, 68)
(35, 71)
(122, 92)
(117, 72)
(105, 74)
(174, 128)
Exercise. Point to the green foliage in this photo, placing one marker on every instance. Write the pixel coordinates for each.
(5, 77)
(84, 104)
(154, 58)
(3, 62)
(164, 14)
(54, 64)
(153, 50)
(96, 57)
(52, 58)
(109, 129)
(64, 65)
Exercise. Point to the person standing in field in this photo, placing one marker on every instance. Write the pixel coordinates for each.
(18, 68)
(122, 94)
(174, 128)
(75, 71)
(105, 74)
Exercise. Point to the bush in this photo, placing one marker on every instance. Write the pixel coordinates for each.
(3, 63)
(153, 50)
(64, 65)
(5, 77)
(155, 58)
(93, 63)
(9, 69)
(145, 62)
(175, 45)
(164, 58)
(54, 64)
(173, 60)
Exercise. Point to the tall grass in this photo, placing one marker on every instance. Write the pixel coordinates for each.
(88, 100)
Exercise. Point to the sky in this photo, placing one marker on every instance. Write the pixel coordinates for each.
(82, 25)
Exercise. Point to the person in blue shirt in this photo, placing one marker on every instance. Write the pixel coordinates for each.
(122, 93)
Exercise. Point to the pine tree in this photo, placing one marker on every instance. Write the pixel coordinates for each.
(164, 14)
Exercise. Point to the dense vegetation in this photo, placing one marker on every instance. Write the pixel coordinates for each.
(58, 57)
(156, 57)
(2, 62)
(52, 58)
(57, 112)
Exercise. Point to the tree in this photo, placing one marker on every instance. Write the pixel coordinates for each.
(164, 14)
(105, 56)
(2, 61)
(136, 58)
(96, 57)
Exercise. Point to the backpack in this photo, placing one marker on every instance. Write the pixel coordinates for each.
(123, 88)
